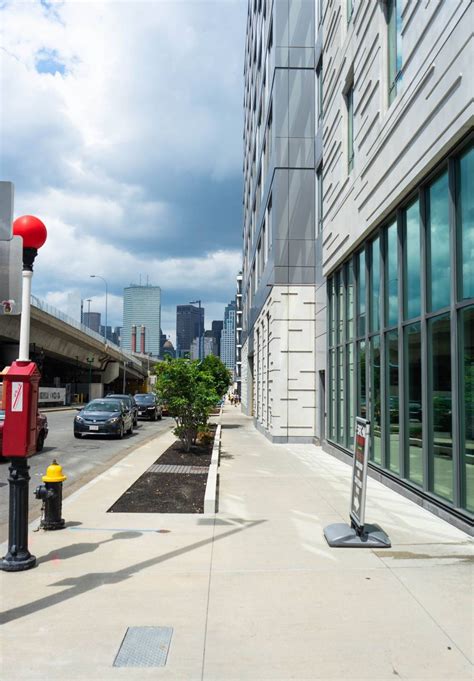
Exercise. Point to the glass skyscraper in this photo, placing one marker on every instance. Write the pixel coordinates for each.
(142, 307)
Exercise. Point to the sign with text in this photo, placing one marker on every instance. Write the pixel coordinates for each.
(359, 471)
(57, 395)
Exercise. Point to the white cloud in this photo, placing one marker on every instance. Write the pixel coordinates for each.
(150, 98)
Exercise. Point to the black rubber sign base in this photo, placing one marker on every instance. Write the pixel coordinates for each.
(342, 535)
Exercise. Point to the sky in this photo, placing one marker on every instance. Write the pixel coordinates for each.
(121, 128)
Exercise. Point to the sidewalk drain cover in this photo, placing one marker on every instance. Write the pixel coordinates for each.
(144, 647)
(171, 468)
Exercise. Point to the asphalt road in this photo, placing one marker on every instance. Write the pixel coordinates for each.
(81, 460)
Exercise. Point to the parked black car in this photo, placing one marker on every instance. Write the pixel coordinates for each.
(148, 406)
(129, 400)
(104, 417)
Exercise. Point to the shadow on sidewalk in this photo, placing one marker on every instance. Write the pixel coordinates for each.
(92, 580)
(78, 549)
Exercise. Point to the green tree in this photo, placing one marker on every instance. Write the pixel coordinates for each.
(221, 375)
(190, 393)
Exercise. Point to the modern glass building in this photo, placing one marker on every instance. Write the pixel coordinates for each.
(401, 337)
(358, 237)
(228, 337)
(142, 307)
(189, 325)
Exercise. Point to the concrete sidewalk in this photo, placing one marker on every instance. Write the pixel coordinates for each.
(252, 592)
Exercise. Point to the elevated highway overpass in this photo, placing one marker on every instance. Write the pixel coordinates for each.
(71, 355)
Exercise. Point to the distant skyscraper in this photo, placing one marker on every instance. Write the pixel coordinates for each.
(142, 307)
(189, 325)
(217, 327)
(92, 321)
(228, 337)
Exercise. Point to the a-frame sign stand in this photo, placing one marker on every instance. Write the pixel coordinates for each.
(357, 534)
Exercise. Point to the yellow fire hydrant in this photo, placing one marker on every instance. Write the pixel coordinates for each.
(52, 495)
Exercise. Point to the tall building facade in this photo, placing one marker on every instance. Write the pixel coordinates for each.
(392, 163)
(217, 326)
(142, 308)
(228, 337)
(92, 321)
(189, 325)
(279, 273)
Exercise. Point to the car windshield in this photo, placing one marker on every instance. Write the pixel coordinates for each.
(103, 405)
(145, 399)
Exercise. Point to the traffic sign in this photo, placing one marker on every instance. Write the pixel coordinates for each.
(6, 211)
(11, 264)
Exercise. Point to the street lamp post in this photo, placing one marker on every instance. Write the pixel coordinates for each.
(18, 557)
(97, 276)
(198, 303)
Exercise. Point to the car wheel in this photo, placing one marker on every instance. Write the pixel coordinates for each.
(153, 418)
(78, 436)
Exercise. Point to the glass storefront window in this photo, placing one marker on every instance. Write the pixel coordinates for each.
(467, 407)
(361, 294)
(441, 435)
(414, 408)
(439, 281)
(412, 250)
(391, 292)
(361, 381)
(350, 391)
(393, 416)
(332, 312)
(341, 396)
(466, 220)
(375, 285)
(350, 301)
(375, 406)
(340, 308)
(332, 396)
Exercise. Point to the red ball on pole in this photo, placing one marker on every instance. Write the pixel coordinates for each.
(32, 230)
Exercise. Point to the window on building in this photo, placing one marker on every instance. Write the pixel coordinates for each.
(391, 276)
(361, 293)
(439, 259)
(319, 196)
(319, 90)
(269, 225)
(414, 404)
(375, 285)
(393, 407)
(394, 31)
(349, 9)
(350, 127)
(466, 224)
(412, 264)
(467, 406)
(441, 433)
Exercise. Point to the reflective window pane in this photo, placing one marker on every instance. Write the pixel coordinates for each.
(466, 219)
(361, 380)
(332, 396)
(350, 301)
(439, 283)
(361, 294)
(412, 262)
(467, 397)
(350, 392)
(375, 406)
(332, 312)
(375, 285)
(414, 408)
(441, 436)
(340, 308)
(391, 293)
(393, 418)
(341, 396)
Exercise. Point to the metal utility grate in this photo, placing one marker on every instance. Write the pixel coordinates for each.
(170, 468)
(144, 647)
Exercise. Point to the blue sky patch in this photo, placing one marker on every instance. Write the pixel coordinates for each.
(47, 61)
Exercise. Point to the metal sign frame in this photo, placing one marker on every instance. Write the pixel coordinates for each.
(359, 473)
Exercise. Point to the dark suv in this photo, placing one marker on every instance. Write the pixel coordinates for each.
(131, 404)
(148, 406)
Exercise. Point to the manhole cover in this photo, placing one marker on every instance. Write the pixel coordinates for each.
(144, 647)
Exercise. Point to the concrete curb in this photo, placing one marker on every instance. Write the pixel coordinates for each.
(210, 496)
